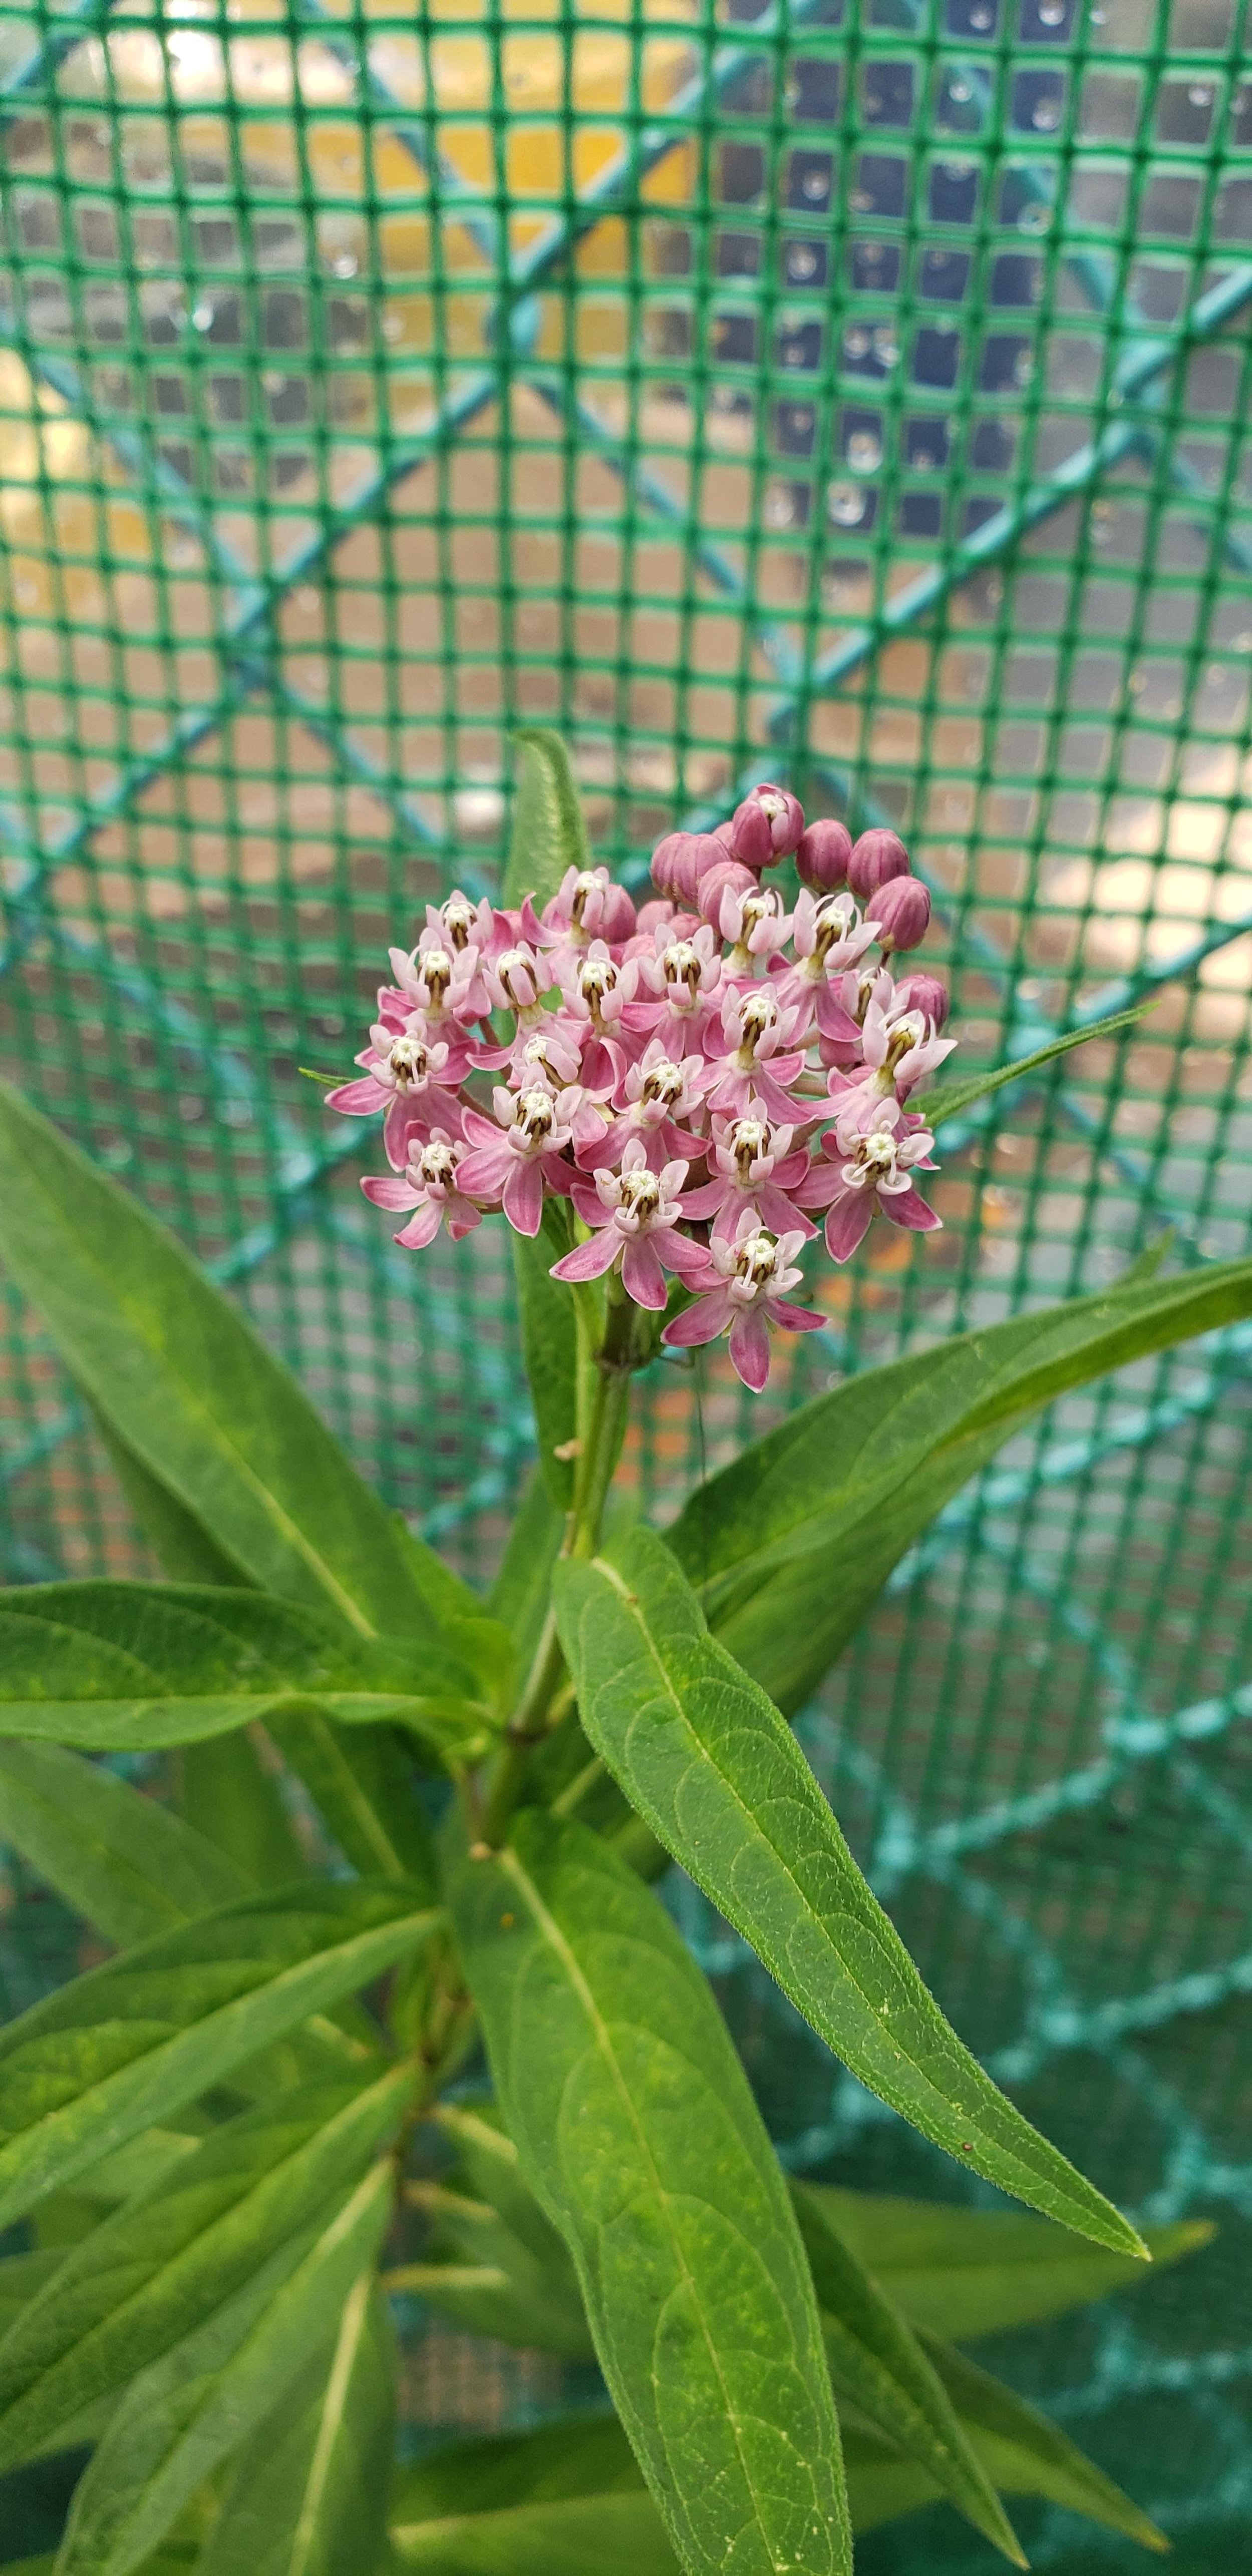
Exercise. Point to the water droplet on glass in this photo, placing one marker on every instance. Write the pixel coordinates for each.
(923, 461)
(981, 19)
(856, 342)
(960, 91)
(864, 451)
(846, 505)
(1047, 116)
(346, 265)
(801, 262)
(202, 315)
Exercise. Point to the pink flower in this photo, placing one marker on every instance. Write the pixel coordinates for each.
(514, 980)
(403, 1076)
(755, 1275)
(635, 1213)
(428, 1185)
(767, 826)
(650, 1099)
(684, 976)
(872, 1156)
(829, 937)
(900, 1048)
(510, 1163)
(822, 856)
(587, 906)
(755, 923)
(597, 993)
(444, 984)
(754, 1167)
(753, 1037)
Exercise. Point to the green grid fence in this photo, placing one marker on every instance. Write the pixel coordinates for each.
(851, 392)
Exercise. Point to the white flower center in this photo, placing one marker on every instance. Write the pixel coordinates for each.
(536, 1116)
(757, 1260)
(663, 1083)
(408, 1061)
(640, 1193)
(458, 920)
(877, 1151)
(437, 1163)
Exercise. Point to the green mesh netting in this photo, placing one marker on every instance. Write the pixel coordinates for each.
(850, 392)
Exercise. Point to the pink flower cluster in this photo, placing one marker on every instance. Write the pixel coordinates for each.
(700, 1078)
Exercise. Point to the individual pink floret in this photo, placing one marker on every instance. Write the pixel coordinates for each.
(635, 1213)
(508, 1164)
(406, 1078)
(648, 1102)
(428, 1185)
(755, 1273)
(870, 1159)
(751, 1046)
(754, 1167)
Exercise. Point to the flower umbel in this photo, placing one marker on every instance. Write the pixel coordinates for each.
(698, 1078)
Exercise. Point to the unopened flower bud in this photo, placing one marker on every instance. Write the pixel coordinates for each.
(901, 909)
(822, 856)
(766, 826)
(925, 993)
(874, 860)
(653, 914)
(726, 876)
(679, 861)
(617, 918)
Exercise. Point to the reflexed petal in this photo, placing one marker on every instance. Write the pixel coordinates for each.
(523, 1195)
(422, 1228)
(749, 1348)
(388, 1192)
(701, 1322)
(848, 1223)
(908, 1207)
(590, 1260)
(642, 1275)
(358, 1099)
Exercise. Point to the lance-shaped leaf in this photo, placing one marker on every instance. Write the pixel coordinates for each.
(192, 2409)
(131, 1666)
(205, 1410)
(549, 834)
(129, 2043)
(159, 2267)
(308, 2495)
(952, 1098)
(792, 1541)
(519, 1596)
(1025, 2454)
(234, 1794)
(477, 2272)
(640, 2139)
(568, 2500)
(970, 2272)
(717, 1774)
(117, 1857)
(362, 1783)
(550, 1351)
(877, 2363)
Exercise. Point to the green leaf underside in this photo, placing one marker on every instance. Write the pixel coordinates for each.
(549, 834)
(877, 2363)
(206, 1411)
(792, 1541)
(133, 1666)
(953, 1097)
(308, 2493)
(129, 2043)
(640, 2139)
(192, 2409)
(971, 2272)
(158, 2268)
(717, 1774)
(117, 1857)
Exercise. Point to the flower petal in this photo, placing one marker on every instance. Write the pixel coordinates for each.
(749, 1349)
(642, 1275)
(848, 1223)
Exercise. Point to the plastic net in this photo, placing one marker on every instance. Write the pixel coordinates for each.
(851, 393)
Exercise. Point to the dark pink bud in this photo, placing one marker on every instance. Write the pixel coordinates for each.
(875, 859)
(822, 857)
(652, 914)
(730, 875)
(766, 826)
(679, 861)
(725, 832)
(925, 993)
(617, 920)
(901, 909)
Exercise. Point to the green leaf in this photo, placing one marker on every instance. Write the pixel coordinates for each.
(132, 1666)
(568, 2500)
(190, 2410)
(791, 1543)
(362, 1783)
(1026, 2455)
(970, 2272)
(309, 2492)
(519, 1596)
(129, 2043)
(195, 1398)
(550, 1353)
(953, 1097)
(640, 2139)
(236, 1801)
(162, 2265)
(717, 1774)
(490, 2166)
(478, 2273)
(117, 1857)
(549, 834)
(22, 2276)
(879, 2365)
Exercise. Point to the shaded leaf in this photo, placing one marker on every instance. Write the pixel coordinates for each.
(362, 1783)
(568, 2500)
(192, 2409)
(227, 1792)
(117, 1857)
(792, 1541)
(953, 1097)
(129, 2043)
(550, 1353)
(1025, 2454)
(132, 1666)
(161, 2266)
(308, 2494)
(549, 834)
(478, 2273)
(718, 1776)
(519, 1595)
(640, 2139)
(878, 2363)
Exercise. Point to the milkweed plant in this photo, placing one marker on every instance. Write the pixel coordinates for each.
(389, 2006)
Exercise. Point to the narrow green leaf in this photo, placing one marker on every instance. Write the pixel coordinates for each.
(953, 1097)
(129, 2043)
(362, 1783)
(161, 2266)
(490, 2166)
(549, 834)
(519, 1595)
(1025, 2454)
(550, 1352)
(791, 1543)
(717, 1774)
(185, 1551)
(640, 2139)
(568, 2500)
(309, 2492)
(878, 2363)
(195, 1398)
(132, 1666)
(230, 1795)
(970, 2272)
(22, 2276)
(478, 2273)
(192, 2409)
(117, 1857)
